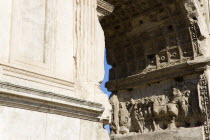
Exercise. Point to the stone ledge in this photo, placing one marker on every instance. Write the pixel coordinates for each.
(31, 99)
(179, 134)
(186, 68)
(11, 71)
(104, 7)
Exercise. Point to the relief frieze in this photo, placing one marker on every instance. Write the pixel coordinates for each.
(180, 106)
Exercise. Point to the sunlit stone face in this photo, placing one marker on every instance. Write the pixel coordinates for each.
(30, 30)
(33, 17)
(52, 48)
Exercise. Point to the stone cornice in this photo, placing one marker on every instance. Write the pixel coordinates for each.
(10, 71)
(182, 69)
(104, 7)
(31, 99)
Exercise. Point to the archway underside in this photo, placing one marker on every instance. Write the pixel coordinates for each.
(145, 35)
(159, 53)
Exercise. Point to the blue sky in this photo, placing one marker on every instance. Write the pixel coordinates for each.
(106, 78)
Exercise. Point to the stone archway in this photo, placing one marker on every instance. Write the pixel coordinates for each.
(156, 48)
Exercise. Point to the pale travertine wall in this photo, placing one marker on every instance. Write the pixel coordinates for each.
(51, 64)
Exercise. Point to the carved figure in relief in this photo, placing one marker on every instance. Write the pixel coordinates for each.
(162, 108)
(138, 112)
(115, 115)
(125, 120)
(149, 112)
(171, 109)
(159, 106)
(185, 102)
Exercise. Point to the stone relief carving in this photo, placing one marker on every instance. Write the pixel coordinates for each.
(115, 115)
(195, 34)
(177, 107)
(203, 103)
(149, 42)
(164, 37)
(125, 120)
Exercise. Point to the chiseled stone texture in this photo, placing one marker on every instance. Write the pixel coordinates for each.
(159, 53)
(51, 66)
(180, 134)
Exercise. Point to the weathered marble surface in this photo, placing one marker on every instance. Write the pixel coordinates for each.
(51, 66)
(20, 124)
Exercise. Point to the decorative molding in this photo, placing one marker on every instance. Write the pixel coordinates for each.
(48, 102)
(104, 7)
(204, 102)
(195, 33)
(186, 68)
(10, 71)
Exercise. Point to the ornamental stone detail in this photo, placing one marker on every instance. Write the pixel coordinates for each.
(159, 53)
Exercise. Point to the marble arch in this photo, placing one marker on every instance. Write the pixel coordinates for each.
(159, 52)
